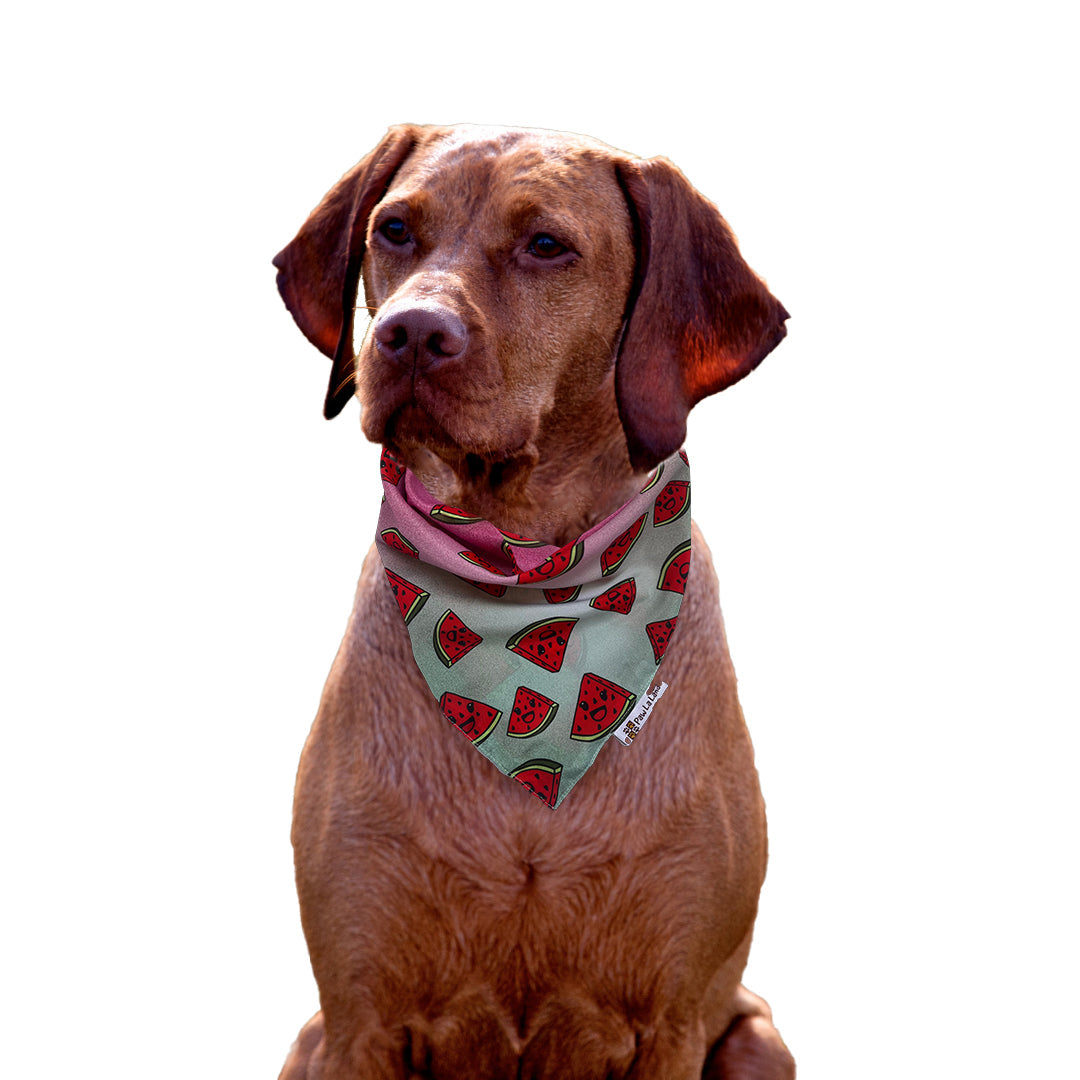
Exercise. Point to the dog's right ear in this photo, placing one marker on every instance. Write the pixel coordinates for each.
(319, 271)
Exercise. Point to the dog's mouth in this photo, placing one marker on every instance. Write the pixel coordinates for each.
(410, 427)
(451, 415)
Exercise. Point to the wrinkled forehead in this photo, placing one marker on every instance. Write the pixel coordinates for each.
(476, 170)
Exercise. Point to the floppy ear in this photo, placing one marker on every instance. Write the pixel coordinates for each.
(699, 319)
(319, 272)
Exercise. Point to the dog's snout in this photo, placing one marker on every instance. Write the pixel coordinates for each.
(424, 334)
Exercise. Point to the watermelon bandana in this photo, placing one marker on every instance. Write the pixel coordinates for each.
(537, 654)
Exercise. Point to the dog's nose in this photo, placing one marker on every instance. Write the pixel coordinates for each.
(424, 334)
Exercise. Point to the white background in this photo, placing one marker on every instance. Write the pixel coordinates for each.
(891, 499)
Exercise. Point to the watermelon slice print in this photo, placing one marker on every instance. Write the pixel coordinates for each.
(392, 538)
(541, 776)
(676, 569)
(660, 636)
(391, 467)
(543, 642)
(654, 478)
(475, 720)
(472, 557)
(612, 559)
(410, 598)
(483, 586)
(619, 598)
(513, 540)
(453, 639)
(532, 712)
(601, 707)
(563, 560)
(686, 460)
(672, 502)
(561, 596)
(451, 515)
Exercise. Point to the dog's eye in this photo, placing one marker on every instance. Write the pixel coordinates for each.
(395, 230)
(544, 246)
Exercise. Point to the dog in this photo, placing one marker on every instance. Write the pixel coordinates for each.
(545, 312)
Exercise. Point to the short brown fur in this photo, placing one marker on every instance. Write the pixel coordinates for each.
(457, 927)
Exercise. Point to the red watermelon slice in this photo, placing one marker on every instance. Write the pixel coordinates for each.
(654, 478)
(513, 540)
(532, 712)
(660, 635)
(619, 598)
(475, 720)
(410, 598)
(601, 707)
(492, 590)
(453, 639)
(541, 777)
(472, 557)
(611, 560)
(686, 460)
(391, 467)
(676, 570)
(672, 502)
(561, 596)
(451, 515)
(543, 642)
(392, 538)
(556, 564)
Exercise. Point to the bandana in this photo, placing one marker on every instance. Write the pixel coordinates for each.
(538, 654)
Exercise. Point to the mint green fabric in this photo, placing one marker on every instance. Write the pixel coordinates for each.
(535, 653)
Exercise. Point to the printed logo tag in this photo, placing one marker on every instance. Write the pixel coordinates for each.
(628, 729)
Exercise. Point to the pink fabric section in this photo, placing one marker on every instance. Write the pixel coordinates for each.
(409, 507)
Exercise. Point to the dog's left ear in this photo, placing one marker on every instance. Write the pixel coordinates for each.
(699, 319)
(319, 271)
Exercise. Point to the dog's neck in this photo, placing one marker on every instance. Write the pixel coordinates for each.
(553, 489)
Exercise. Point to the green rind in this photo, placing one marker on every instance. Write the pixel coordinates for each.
(655, 480)
(420, 597)
(451, 515)
(543, 765)
(572, 594)
(520, 541)
(683, 547)
(527, 577)
(440, 652)
(685, 486)
(475, 560)
(403, 545)
(414, 609)
(640, 524)
(492, 725)
(484, 586)
(593, 603)
(515, 642)
(649, 628)
(631, 700)
(542, 726)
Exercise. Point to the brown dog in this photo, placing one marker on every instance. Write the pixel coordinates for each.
(546, 312)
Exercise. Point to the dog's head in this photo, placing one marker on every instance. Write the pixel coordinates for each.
(523, 284)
